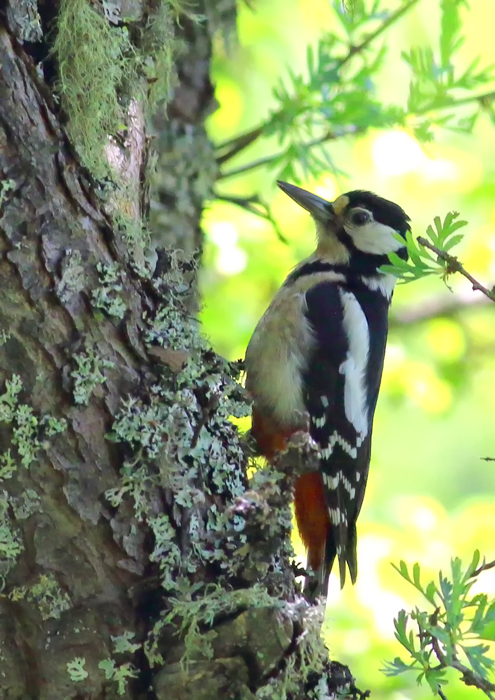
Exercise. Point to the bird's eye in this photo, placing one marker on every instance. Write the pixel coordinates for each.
(361, 217)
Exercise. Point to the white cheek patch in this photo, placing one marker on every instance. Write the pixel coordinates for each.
(374, 238)
(354, 367)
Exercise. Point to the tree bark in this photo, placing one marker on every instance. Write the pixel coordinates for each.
(136, 560)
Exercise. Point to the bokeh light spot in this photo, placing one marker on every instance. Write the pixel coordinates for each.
(230, 259)
(397, 153)
(446, 339)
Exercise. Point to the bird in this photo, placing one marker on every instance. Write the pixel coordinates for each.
(314, 363)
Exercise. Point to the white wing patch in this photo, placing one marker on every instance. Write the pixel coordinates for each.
(354, 367)
(383, 283)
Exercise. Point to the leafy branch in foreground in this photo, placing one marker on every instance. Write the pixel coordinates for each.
(442, 237)
(453, 634)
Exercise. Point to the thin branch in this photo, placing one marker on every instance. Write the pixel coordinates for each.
(239, 143)
(483, 567)
(329, 135)
(254, 205)
(444, 305)
(441, 694)
(353, 50)
(469, 677)
(483, 99)
(453, 265)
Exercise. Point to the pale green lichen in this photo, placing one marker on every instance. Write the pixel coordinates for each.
(7, 465)
(88, 374)
(10, 540)
(136, 235)
(191, 616)
(310, 658)
(93, 57)
(105, 59)
(26, 504)
(166, 551)
(173, 445)
(46, 594)
(107, 296)
(5, 187)
(120, 674)
(76, 670)
(4, 336)
(27, 428)
(123, 645)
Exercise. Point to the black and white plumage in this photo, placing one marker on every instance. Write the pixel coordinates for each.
(318, 351)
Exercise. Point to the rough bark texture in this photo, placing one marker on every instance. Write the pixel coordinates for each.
(134, 561)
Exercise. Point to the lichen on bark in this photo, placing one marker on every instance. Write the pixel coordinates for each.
(139, 561)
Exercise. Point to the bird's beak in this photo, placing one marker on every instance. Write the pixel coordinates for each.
(318, 207)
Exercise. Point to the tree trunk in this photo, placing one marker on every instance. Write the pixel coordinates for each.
(135, 563)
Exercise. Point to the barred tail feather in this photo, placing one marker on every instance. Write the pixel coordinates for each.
(316, 584)
(351, 552)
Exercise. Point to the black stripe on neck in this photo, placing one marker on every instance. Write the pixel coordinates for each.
(352, 275)
(314, 267)
(361, 265)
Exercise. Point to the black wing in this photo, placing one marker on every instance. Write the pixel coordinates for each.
(341, 389)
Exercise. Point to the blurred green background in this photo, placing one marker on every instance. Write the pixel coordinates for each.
(430, 495)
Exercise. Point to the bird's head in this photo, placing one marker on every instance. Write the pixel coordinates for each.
(358, 228)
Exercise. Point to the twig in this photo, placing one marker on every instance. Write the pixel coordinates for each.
(483, 567)
(441, 694)
(329, 135)
(469, 677)
(249, 138)
(353, 50)
(251, 205)
(443, 305)
(454, 265)
(239, 143)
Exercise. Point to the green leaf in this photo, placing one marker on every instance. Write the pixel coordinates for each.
(487, 632)
(455, 240)
(478, 659)
(395, 667)
(435, 677)
(430, 592)
(402, 568)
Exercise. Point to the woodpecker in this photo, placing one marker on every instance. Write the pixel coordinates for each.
(316, 358)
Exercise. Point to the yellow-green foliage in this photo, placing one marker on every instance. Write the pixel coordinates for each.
(91, 54)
